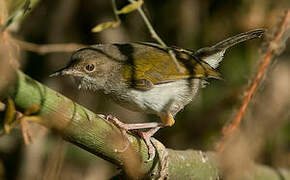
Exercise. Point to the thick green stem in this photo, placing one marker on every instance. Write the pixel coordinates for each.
(82, 127)
(87, 130)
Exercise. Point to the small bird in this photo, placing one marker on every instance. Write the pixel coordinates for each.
(143, 77)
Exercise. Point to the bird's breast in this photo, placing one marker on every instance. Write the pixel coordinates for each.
(170, 97)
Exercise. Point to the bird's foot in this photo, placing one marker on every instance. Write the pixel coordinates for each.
(137, 127)
(146, 136)
(122, 127)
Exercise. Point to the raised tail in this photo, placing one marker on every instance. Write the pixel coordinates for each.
(214, 54)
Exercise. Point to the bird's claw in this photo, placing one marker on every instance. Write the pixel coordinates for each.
(121, 126)
(145, 135)
(147, 139)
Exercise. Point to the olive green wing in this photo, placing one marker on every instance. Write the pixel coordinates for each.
(152, 65)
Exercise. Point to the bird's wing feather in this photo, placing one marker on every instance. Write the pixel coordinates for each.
(153, 65)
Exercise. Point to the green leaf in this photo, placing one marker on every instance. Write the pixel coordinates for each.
(131, 7)
(106, 25)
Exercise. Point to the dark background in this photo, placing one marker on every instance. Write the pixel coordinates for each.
(185, 23)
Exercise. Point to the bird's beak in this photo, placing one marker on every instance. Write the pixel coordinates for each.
(64, 71)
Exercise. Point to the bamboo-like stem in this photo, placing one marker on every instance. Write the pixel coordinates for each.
(87, 130)
(83, 128)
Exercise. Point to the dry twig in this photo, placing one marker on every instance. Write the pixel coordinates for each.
(48, 48)
(274, 49)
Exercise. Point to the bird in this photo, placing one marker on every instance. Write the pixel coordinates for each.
(142, 77)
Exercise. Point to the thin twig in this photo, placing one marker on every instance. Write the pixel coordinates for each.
(48, 48)
(274, 48)
(156, 37)
(115, 10)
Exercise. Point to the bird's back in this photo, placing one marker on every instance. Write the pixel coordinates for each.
(149, 64)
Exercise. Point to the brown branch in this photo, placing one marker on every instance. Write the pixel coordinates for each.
(48, 48)
(274, 49)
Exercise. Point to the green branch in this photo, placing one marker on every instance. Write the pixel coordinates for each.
(87, 130)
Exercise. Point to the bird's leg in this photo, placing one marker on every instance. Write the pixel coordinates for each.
(145, 135)
(134, 126)
(167, 120)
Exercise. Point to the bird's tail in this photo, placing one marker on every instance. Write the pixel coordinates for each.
(257, 33)
(214, 54)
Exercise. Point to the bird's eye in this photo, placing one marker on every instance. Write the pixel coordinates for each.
(90, 67)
